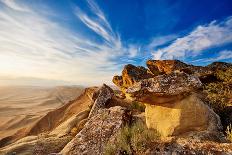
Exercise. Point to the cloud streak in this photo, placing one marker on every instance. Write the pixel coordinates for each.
(34, 46)
(201, 38)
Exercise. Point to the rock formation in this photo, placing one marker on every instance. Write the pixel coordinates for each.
(104, 94)
(170, 95)
(100, 128)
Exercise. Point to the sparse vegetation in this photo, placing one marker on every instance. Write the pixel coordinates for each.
(137, 106)
(132, 139)
(229, 132)
(219, 94)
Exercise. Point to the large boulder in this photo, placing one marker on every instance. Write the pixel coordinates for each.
(172, 107)
(99, 129)
(167, 85)
(182, 116)
(169, 90)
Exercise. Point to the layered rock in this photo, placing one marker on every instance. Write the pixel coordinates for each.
(99, 129)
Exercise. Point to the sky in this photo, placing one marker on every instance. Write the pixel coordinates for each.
(87, 42)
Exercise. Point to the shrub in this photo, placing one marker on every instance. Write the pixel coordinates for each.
(132, 139)
(219, 94)
(229, 132)
(138, 106)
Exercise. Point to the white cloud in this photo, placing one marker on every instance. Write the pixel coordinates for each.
(161, 40)
(221, 55)
(32, 45)
(99, 24)
(15, 6)
(203, 37)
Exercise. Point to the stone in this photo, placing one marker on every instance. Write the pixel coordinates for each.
(173, 106)
(187, 115)
(130, 75)
(118, 81)
(99, 129)
(101, 97)
(158, 67)
(164, 88)
(219, 65)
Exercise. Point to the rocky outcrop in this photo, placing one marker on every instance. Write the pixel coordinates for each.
(130, 75)
(167, 85)
(100, 128)
(158, 67)
(165, 66)
(173, 107)
(103, 95)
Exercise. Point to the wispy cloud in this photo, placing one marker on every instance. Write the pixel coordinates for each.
(99, 24)
(34, 46)
(220, 56)
(203, 37)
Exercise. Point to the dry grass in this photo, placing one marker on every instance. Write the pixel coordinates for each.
(132, 139)
(229, 132)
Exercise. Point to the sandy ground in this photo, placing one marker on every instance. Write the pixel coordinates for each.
(21, 106)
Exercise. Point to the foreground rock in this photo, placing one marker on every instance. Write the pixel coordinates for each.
(102, 96)
(99, 129)
(173, 107)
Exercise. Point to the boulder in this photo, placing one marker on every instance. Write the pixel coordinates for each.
(164, 88)
(101, 98)
(173, 107)
(182, 116)
(130, 75)
(99, 129)
(158, 67)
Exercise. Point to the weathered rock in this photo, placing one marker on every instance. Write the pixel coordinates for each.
(101, 97)
(167, 87)
(182, 116)
(165, 66)
(158, 67)
(171, 106)
(96, 133)
(130, 75)
(219, 65)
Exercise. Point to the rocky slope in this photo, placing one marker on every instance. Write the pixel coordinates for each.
(177, 117)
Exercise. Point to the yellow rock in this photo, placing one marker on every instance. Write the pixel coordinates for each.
(188, 114)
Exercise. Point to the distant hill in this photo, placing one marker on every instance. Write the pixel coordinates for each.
(22, 105)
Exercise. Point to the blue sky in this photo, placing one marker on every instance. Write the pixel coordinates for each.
(56, 42)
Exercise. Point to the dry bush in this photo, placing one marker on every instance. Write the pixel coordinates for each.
(132, 139)
(137, 106)
(219, 95)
